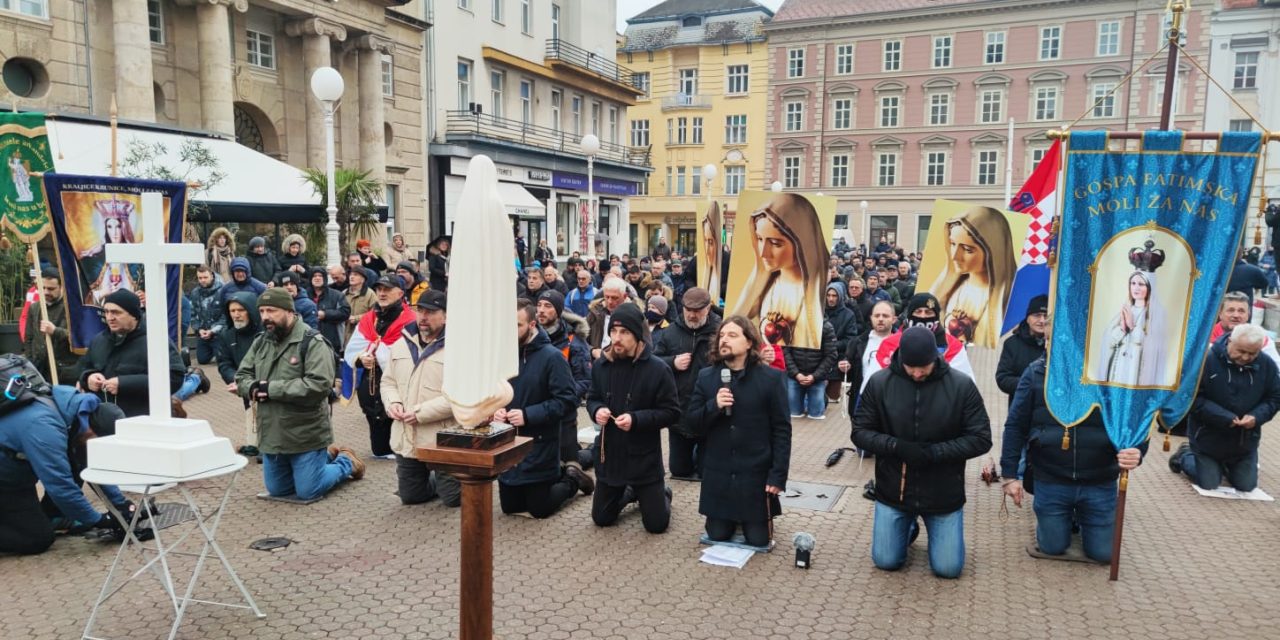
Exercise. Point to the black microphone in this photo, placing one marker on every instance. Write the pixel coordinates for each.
(804, 544)
(725, 376)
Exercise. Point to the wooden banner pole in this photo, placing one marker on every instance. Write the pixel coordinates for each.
(44, 312)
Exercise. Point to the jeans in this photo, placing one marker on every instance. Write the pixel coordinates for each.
(1207, 472)
(205, 351)
(812, 398)
(1093, 506)
(308, 475)
(418, 483)
(190, 383)
(890, 537)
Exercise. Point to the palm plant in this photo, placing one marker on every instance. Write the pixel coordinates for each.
(357, 198)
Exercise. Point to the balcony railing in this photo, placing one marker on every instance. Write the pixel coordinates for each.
(601, 65)
(686, 101)
(466, 124)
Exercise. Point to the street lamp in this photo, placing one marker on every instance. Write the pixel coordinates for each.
(776, 187)
(709, 172)
(863, 205)
(590, 146)
(327, 86)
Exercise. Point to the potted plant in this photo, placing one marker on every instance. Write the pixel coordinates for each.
(15, 279)
(357, 198)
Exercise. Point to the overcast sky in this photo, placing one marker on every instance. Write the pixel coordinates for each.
(628, 8)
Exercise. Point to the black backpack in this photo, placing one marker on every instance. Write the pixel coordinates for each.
(22, 384)
(308, 337)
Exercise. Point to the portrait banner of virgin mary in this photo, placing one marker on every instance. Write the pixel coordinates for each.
(1149, 233)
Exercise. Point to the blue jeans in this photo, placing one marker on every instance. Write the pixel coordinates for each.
(890, 535)
(190, 383)
(1094, 507)
(308, 475)
(811, 399)
(1207, 472)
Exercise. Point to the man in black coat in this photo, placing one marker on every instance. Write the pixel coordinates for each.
(922, 420)
(748, 436)
(438, 263)
(1023, 346)
(845, 323)
(543, 396)
(243, 326)
(807, 371)
(685, 347)
(115, 365)
(633, 397)
(332, 308)
(568, 334)
(263, 263)
(1247, 278)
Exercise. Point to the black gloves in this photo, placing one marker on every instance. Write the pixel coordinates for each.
(258, 391)
(911, 452)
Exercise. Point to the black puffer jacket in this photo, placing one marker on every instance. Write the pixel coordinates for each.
(644, 388)
(1089, 458)
(814, 362)
(232, 344)
(125, 357)
(1018, 352)
(944, 414)
(678, 339)
(1229, 391)
(544, 391)
(206, 307)
(263, 267)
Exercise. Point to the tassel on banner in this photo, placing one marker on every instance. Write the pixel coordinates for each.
(1166, 445)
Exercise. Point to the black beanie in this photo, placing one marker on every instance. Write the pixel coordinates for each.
(629, 317)
(917, 348)
(555, 298)
(1038, 304)
(127, 300)
(923, 300)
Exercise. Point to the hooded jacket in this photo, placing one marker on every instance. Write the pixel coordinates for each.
(392, 255)
(570, 337)
(40, 433)
(333, 326)
(250, 285)
(288, 262)
(1229, 391)
(219, 258)
(232, 344)
(644, 388)
(944, 415)
(413, 289)
(125, 357)
(262, 267)
(302, 305)
(1018, 352)
(544, 390)
(33, 345)
(845, 324)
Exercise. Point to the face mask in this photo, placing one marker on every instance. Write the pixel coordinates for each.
(653, 316)
(931, 324)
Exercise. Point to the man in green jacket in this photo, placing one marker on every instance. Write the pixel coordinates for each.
(290, 396)
(33, 347)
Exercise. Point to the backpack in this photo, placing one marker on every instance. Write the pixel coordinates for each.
(308, 337)
(22, 384)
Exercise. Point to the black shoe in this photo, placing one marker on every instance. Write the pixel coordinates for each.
(204, 380)
(1175, 460)
(913, 533)
(585, 484)
(586, 459)
(248, 450)
(869, 490)
(628, 496)
(667, 490)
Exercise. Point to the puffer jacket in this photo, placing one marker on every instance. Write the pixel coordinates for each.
(1229, 391)
(1017, 353)
(233, 344)
(414, 377)
(295, 417)
(264, 266)
(219, 258)
(206, 307)
(678, 339)
(333, 326)
(944, 414)
(814, 362)
(544, 390)
(288, 262)
(250, 285)
(570, 337)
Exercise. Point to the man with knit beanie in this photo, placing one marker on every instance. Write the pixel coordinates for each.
(290, 400)
(1023, 347)
(115, 365)
(568, 334)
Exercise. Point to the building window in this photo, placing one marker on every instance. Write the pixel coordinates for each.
(641, 81)
(795, 116)
(691, 21)
(1109, 38)
(1038, 154)
(737, 81)
(642, 187)
(940, 109)
(992, 106)
(844, 59)
(613, 125)
(887, 170)
(260, 49)
(595, 119)
(526, 106)
(995, 48)
(575, 112)
(735, 129)
(791, 172)
(671, 131)
(526, 17)
(689, 82)
(557, 102)
(464, 83)
(388, 76)
(697, 130)
(680, 176)
(555, 29)
(1046, 103)
(497, 84)
(795, 63)
(639, 133)
(1240, 125)
(695, 181)
(34, 8)
(1246, 74)
(988, 162)
(889, 111)
(1050, 43)
(1104, 100)
(892, 55)
(682, 131)
(840, 170)
(497, 10)
(670, 182)
(842, 113)
(155, 19)
(735, 179)
(941, 52)
(935, 168)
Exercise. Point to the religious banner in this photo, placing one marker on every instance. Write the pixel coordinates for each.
(778, 268)
(24, 150)
(710, 221)
(1147, 242)
(90, 212)
(969, 265)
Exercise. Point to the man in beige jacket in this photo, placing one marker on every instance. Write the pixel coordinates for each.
(412, 394)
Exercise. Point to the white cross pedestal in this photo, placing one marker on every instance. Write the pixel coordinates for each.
(158, 444)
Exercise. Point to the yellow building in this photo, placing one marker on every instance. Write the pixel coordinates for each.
(704, 63)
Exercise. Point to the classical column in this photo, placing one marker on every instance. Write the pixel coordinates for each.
(216, 91)
(373, 150)
(135, 95)
(316, 34)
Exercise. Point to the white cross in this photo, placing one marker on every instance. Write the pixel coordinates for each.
(153, 253)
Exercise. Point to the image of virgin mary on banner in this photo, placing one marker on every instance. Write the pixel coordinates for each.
(1147, 242)
(90, 212)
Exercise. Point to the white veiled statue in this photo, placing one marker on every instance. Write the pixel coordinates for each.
(480, 354)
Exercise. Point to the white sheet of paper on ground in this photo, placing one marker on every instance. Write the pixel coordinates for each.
(166, 447)
(725, 556)
(1231, 494)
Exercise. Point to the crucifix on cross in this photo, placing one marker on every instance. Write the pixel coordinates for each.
(153, 253)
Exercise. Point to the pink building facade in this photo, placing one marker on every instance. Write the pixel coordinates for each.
(910, 100)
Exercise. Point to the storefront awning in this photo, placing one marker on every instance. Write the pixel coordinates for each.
(520, 203)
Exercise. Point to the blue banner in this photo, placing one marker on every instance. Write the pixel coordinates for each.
(1146, 245)
(90, 212)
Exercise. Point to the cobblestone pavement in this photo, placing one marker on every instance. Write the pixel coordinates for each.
(362, 566)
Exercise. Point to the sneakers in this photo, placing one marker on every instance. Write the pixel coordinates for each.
(585, 483)
(175, 407)
(797, 416)
(204, 380)
(249, 451)
(820, 416)
(1175, 460)
(357, 465)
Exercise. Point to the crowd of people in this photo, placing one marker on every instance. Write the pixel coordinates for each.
(636, 343)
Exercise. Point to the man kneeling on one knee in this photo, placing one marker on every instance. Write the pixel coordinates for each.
(290, 396)
(1238, 393)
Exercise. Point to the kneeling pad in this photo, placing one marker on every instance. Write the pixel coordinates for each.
(291, 498)
(736, 541)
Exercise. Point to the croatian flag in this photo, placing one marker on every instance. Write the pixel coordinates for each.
(365, 339)
(1037, 198)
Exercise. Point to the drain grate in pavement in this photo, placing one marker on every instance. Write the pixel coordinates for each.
(270, 544)
(811, 496)
(171, 514)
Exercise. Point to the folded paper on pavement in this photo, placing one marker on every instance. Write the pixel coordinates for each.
(725, 556)
(1231, 494)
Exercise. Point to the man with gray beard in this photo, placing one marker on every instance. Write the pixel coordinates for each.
(230, 347)
(685, 346)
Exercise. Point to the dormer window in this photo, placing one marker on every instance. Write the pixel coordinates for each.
(691, 21)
